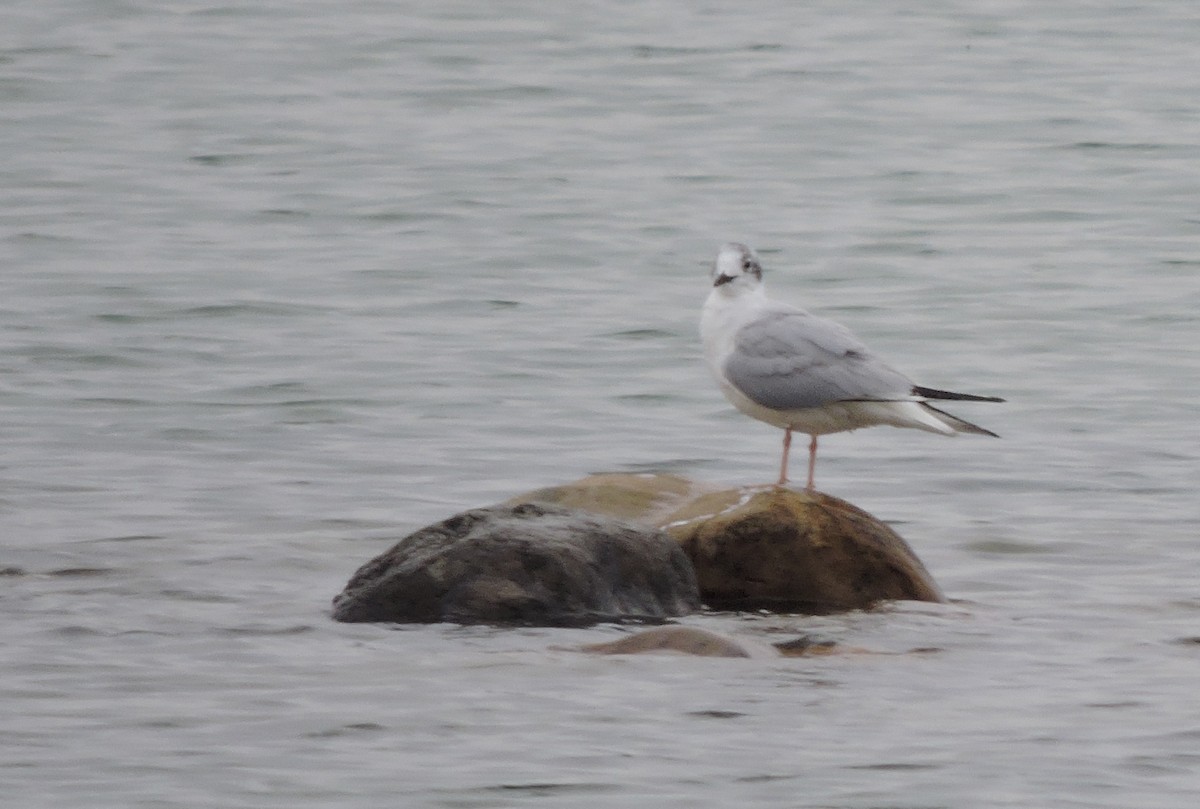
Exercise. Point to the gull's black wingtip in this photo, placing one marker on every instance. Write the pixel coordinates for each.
(934, 393)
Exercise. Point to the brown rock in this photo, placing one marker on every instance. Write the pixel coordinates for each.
(645, 499)
(765, 547)
(781, 549)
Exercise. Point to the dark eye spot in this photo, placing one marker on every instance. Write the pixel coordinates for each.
(747, 264)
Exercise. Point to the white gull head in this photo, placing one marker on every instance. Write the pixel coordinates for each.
(736, 269)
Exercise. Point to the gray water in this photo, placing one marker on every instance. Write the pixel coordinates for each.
(284, 281)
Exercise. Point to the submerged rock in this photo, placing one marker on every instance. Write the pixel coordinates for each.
(688, 640)
(685, 640)
(527, 564)
(765, 547)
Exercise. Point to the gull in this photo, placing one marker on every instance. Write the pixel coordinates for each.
(800, 372)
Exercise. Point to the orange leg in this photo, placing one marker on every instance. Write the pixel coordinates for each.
(787, 445)
(812, 461)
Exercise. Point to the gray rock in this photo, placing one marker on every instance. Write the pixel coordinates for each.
(531, 564)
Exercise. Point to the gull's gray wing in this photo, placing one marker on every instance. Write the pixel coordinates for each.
(791, 360)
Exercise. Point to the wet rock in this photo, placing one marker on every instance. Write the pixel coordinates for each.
(788, 550)
(528, 564)
(765, 547)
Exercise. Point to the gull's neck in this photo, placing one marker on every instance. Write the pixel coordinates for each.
(727, 309)
(738, 294)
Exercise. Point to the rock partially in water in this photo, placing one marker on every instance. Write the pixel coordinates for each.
(528, 564)
(801, 551)
(765, 547)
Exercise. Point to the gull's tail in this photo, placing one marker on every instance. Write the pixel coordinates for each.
(956, 424)
(934, 393)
